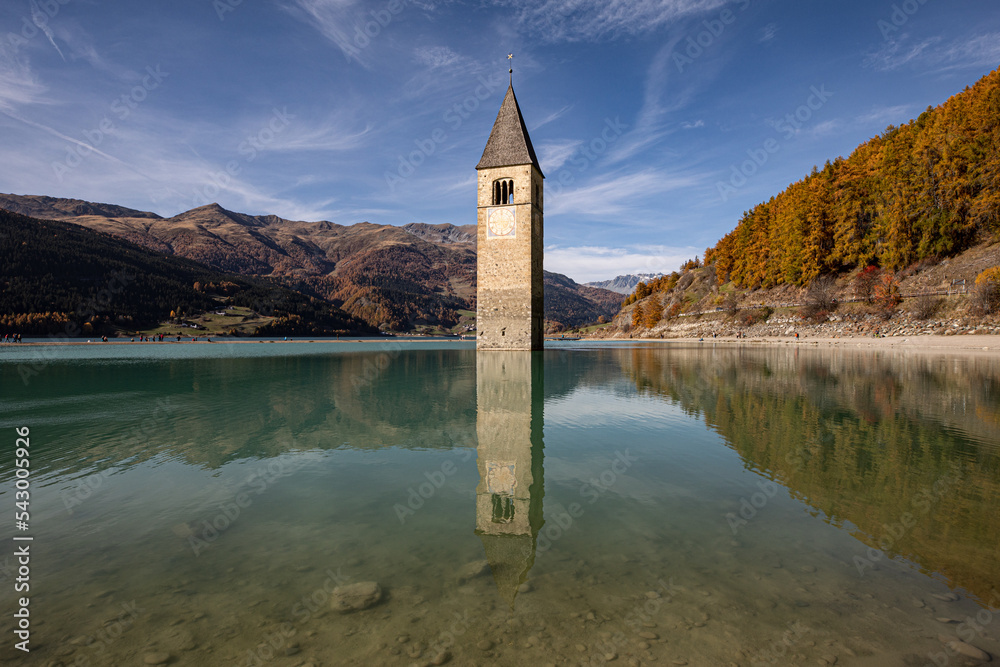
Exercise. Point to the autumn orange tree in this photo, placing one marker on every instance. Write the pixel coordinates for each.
(644, 289)
(638, 317)
(886, 295)
(653, 313)
(986, 293)
(865, 281)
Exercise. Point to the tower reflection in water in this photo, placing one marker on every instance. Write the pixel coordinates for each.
(510, 388)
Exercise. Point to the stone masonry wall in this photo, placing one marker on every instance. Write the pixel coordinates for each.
(509, 270)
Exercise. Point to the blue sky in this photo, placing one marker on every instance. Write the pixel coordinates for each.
(642, 113)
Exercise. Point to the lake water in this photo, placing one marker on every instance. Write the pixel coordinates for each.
(700, 505)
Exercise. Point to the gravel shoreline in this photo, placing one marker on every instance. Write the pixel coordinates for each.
(966, 343)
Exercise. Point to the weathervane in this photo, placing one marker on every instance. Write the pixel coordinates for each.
(510, 57)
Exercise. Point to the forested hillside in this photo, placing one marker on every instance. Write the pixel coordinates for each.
(575, 303)
(57, 277)
(927, 189)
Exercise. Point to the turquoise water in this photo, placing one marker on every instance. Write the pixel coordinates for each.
(634, 503)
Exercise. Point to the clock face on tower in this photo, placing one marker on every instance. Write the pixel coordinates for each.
(501, 222)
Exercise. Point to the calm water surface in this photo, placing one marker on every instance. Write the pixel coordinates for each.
(635, 504)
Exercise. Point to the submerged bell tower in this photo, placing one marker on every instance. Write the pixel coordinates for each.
(509, 292)
(510, 400)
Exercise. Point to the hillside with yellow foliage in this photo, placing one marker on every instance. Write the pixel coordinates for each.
(928, 189)
(902, 236)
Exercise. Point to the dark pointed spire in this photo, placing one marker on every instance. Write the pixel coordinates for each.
(509, 143)
(511, 558)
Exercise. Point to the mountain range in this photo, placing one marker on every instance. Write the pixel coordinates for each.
(624, 284)
(392, 277)
(64, 279)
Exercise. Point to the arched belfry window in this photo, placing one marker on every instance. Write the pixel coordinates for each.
(503, 191)
(503, 508)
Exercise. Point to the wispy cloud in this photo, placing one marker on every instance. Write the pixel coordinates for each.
(898, 52)
(175, 175)
(616, 196)
(553, 155)
(666, 92)
(693, 126)
(81, 46)
(436, 57)
(768, 32)
(463, 185)
(979, 51)
(42, 21)
(555, 115)
(86, 148)
(934, 53)
(590, 20)
(649, 126)
(329, 135)
(445, 73)
(885, 115)
(826, 127)
(591, 263)
(18, 84)
(354, 27)
(151, 160)
(339, 21)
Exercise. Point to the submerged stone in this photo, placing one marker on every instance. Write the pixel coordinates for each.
(441, 658)
(968, 650)
(947, 597)
(469, 571)
(355, 597)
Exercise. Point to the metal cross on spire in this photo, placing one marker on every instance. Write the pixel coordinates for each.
(510, 59)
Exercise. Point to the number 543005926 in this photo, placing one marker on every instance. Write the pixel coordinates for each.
(22, 463)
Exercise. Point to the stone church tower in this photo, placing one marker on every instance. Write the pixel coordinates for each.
(509, 293)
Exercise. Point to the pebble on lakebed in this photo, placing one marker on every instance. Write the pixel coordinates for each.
(962, 648)
(470, 571)
(355, 597)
